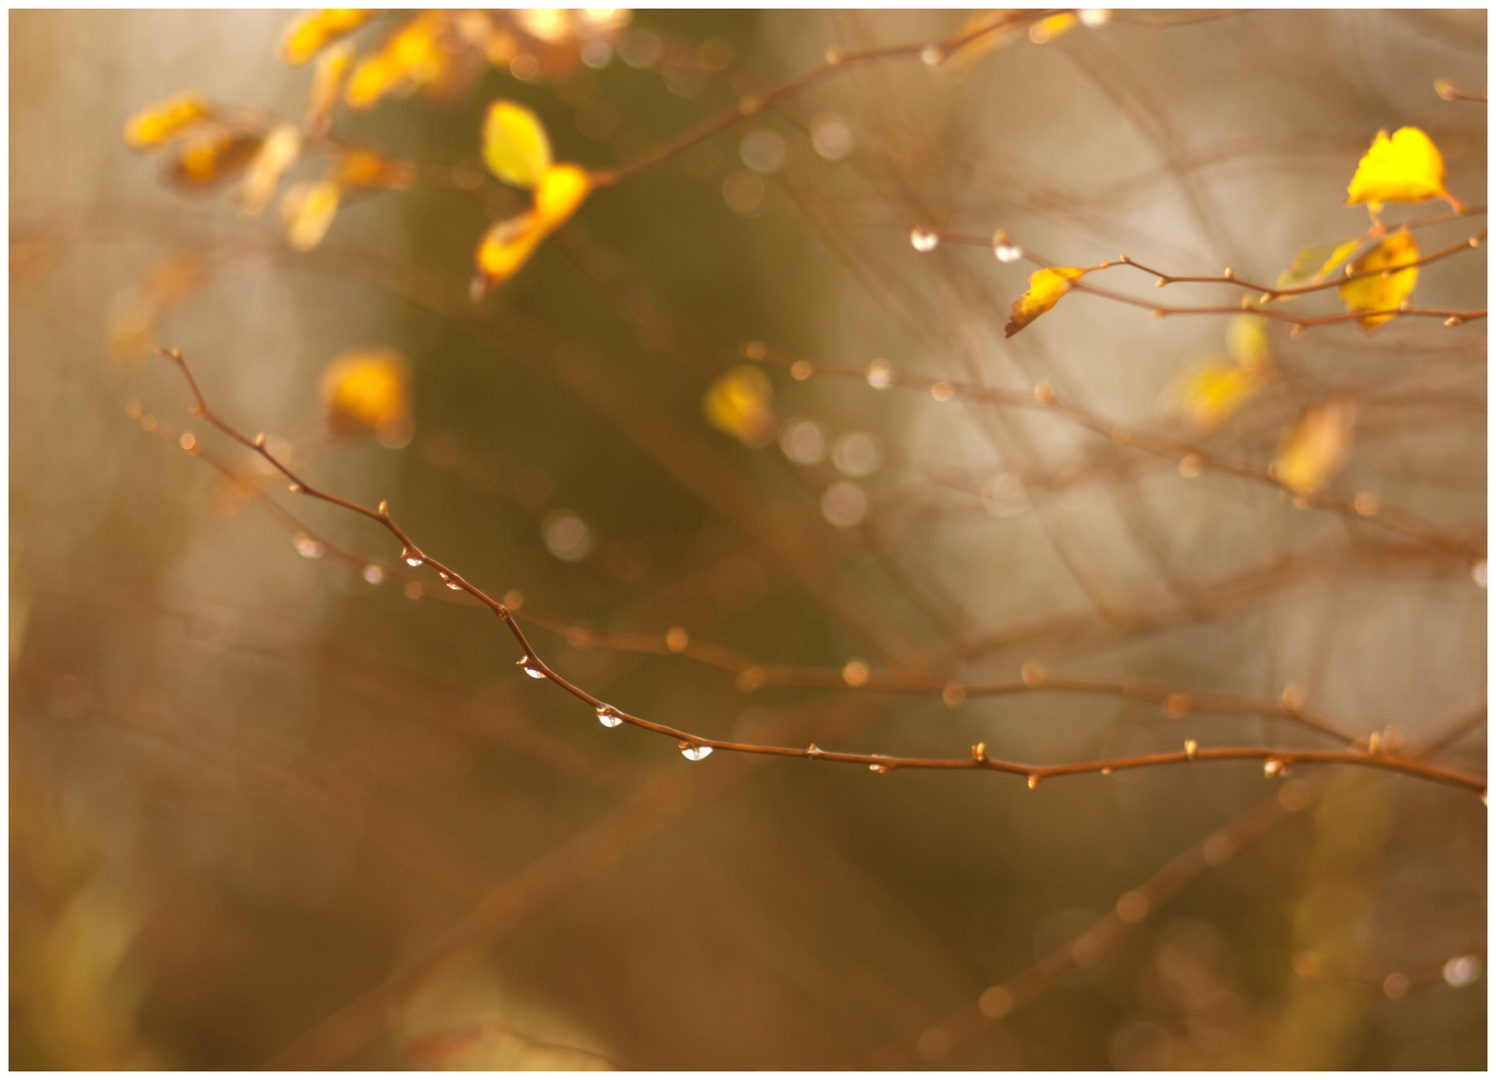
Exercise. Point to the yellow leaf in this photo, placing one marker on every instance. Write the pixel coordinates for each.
(1246, 341)
(327, 82)
(308, 210)
(411, 57)
(305, 37)
(505, 248)
(508, 245)
(515, 146)
(1312, 265)
(165, 120)
(1405, 168)
(1045, 289)
(1211, 393)
(214, 158)
(1315, 448)
(741, 403)
(369, 390)
(281, 149)
(562, 188)
(1051, 27)
(1380, 291)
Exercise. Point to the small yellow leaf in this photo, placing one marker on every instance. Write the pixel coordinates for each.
(505, 248)
(508, 245)
(306, 37)
(367, 390)
(1312, 265)
(1246, 341)
(1045, 289)
(1382, 292)
(214, 158)
(741, 403)
(515, 146)
(411, 57)
(327, 83)
(281, 149)
(562, 188)
(1315, 448)
(1051, 27)
(308, 209)
(1210, 394)
(1405, 168)
(165, 120)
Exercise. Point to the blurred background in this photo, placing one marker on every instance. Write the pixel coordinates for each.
(269, 805)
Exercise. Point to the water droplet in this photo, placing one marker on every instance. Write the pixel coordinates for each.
(373, 573)
(931, 56)
(1032, 673)
(879, 375)
(1106, 771)
(412, 557)
(1033, 780)
(924, 240)
(813, 751)
(954, 694)
(608, 716)
(1005, 250)
(307, 547)
(531, 666)
(855, 672)
(293, 488)
(1094, 17)
(692, 752)
(1479, 574)
(413, 590)
(1461, 970)
(801, 370)
(1191, 748)
(1273, 767)
(879, 769)
(677, 639)
(942, 391)
(1190, 466)
(451, 582)
(188, 441)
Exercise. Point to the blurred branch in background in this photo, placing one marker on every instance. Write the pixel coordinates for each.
(608, 305)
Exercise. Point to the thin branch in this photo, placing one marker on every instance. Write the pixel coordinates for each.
(1044, 397)
(1275, 761)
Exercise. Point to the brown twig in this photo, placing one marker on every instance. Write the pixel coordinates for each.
(1275, 761)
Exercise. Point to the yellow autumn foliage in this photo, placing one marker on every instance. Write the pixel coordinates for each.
(308, 209)
(1314, 264)
(1407, 167)
(309, 33)
(1045, 289)
(516, 148)
(412, 57)
(1315, 448)
(508, 245)
(741, 403)
(368, 390)
(1381, 292)
(1211, 393)
(327, 83)
(278, 153)
(165, 120)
